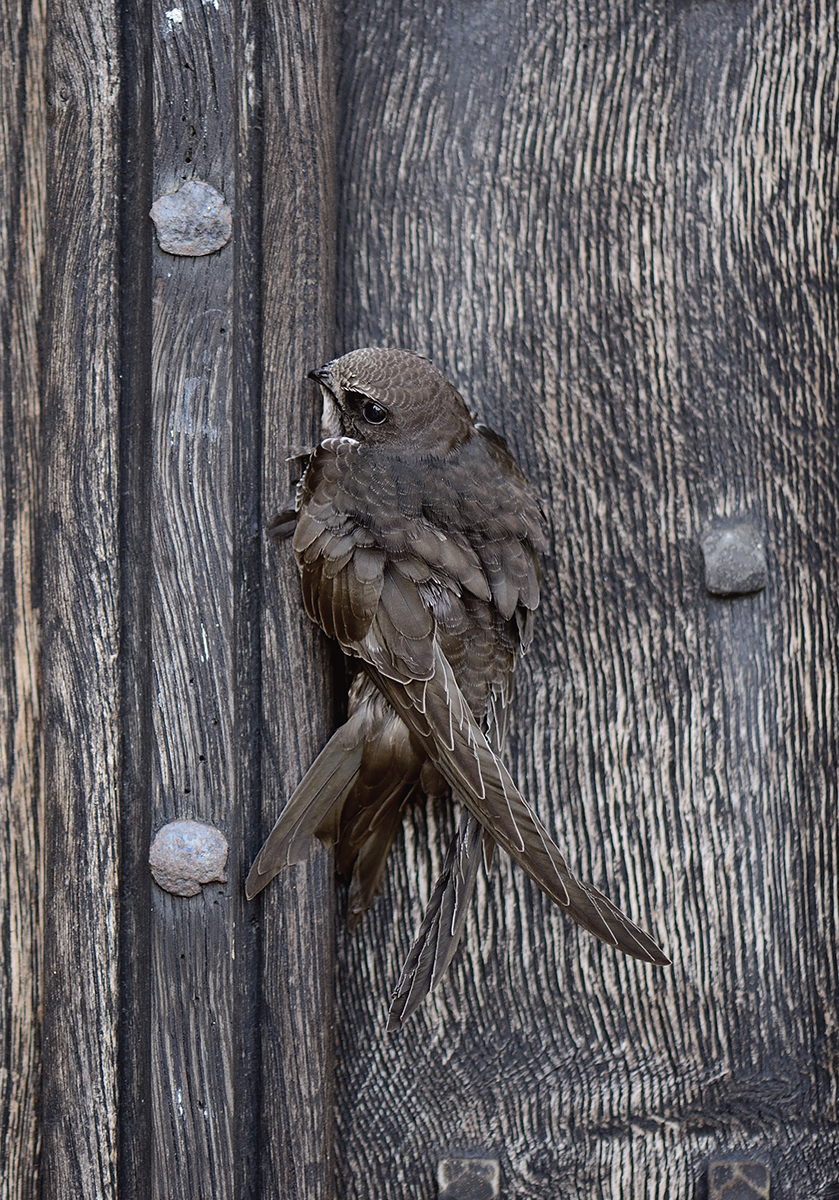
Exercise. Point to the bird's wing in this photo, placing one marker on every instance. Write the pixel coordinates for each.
(314, 807)
(373, 852)
(436, 712)
(354, 795)
(444, 919)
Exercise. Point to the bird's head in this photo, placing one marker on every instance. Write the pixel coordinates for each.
(396, 400)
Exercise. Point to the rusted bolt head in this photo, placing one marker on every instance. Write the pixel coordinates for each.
(185, 854)
(468, 1178)
(738, 1181)
(735, 560)
(192, 221)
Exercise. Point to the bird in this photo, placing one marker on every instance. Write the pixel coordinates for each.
(418, 537)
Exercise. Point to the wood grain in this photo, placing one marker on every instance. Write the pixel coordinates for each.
(79, 546)
(22, 203)
(134, 1152)
(615, 225)
(203, 668)
(298, 279)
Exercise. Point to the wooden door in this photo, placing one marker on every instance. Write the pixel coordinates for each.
(615, 226)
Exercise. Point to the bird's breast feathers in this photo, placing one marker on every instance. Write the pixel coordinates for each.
(390, 549)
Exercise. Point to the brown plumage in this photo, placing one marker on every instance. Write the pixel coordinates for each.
(417, 538)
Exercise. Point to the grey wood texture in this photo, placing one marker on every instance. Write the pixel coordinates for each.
(79, 546)
(134, 1152)
(147, 482)
(297, 952)
(200, 1007)
(22, 182)
(615, 226)
(222, 1124)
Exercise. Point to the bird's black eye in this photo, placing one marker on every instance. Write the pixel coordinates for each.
(373, 413)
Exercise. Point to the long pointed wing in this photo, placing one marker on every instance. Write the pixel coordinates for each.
(435, 710)
(314, 807)
(442, 926)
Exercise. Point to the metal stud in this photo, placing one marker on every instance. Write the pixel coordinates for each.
(192, 221)
(468, 1178)
(186, 854)
(738, 1181)
(735, 560)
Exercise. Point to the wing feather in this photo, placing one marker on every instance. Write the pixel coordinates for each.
(462, 754)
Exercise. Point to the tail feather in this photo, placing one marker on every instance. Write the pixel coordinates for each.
(442, 926)
(371, 857)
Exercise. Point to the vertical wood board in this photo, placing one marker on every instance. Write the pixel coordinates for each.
(298, 268)
(80, 603)
(22, 179)
(611, 225)
(202, 676)
(134, 1151)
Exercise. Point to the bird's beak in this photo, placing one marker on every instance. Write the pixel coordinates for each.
(323, 376)
(331, 417)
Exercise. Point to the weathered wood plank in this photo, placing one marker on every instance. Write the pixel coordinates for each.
(203, 675)
(247, 564)
(81, 586)
(298, 264)
(135, 1125)
(612, 224)
(22, 202)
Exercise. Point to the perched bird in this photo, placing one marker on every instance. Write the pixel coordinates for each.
(417, 536)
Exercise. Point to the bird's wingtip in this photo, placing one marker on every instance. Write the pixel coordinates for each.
(255, 881)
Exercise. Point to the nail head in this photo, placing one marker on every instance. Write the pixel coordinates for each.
(192, 221)
(735, 560)
(468, 1178)
(738, 1181)
(186, 854)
